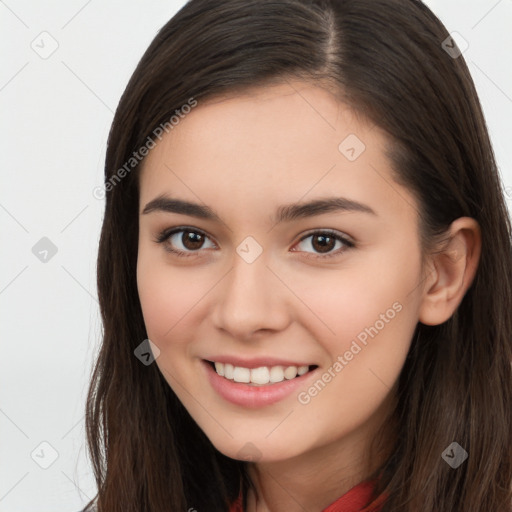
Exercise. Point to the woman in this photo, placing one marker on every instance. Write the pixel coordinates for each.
(304, 270)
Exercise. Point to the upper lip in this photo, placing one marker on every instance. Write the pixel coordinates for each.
(255, 362)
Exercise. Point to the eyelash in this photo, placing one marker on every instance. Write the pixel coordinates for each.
(164, 235)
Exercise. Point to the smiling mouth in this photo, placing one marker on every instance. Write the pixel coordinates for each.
(260, 376)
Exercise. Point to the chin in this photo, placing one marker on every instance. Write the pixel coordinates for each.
(256, 449)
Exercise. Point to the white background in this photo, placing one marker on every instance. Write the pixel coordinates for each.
(56, 113)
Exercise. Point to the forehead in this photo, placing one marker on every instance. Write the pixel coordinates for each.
(270, 144)
(286, 119)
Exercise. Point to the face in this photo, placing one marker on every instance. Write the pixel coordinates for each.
(295, 267)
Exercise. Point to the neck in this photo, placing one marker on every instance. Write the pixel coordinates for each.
(317, 478)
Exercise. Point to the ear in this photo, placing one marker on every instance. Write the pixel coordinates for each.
(452, 269)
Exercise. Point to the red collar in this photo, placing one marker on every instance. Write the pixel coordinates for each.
(352, 501)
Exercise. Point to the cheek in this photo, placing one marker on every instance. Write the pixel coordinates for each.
(361, 302)
(373, 331)
(366, 320)
(162, 296)
(170, 296)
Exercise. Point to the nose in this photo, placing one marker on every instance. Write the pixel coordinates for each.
(251, 300)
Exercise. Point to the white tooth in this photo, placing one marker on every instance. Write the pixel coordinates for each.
(301, 370)
(260, 375)
(219, 367)
(276, 374)
(290, 372)
(241, 374)
(228, 370)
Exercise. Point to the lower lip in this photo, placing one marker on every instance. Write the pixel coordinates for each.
(245, 395)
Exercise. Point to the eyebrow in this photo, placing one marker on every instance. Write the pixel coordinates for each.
(285, 213)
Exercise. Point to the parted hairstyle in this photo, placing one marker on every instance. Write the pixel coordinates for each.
(386, 59)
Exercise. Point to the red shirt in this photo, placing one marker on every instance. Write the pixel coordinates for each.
(351, 501)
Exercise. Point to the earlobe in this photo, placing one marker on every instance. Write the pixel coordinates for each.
(452, 270)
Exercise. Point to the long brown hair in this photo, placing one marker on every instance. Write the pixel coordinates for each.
(389, 60)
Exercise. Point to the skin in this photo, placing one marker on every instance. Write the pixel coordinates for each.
(244, 156)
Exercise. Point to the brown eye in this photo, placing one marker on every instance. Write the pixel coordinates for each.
(323, 244)
(184, 241)
(192, 240)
